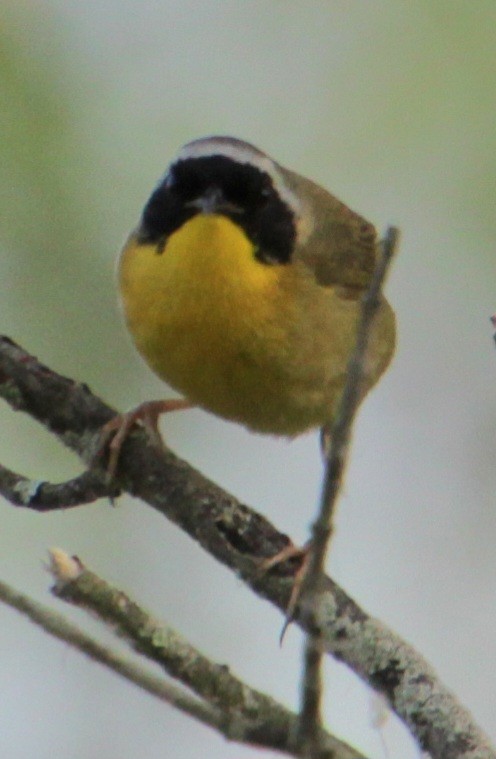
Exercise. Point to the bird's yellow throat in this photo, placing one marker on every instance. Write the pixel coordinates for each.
(209, 260)
(211, 250)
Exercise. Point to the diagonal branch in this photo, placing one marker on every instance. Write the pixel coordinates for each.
(238, 711)
(238, 537)
(60, 628)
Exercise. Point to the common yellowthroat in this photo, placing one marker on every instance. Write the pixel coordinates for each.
(241, 288)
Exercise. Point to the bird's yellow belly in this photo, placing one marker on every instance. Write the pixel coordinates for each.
(227, 331)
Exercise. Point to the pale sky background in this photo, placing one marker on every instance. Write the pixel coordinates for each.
(391, 105)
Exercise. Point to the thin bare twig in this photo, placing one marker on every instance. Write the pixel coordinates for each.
(336, 459)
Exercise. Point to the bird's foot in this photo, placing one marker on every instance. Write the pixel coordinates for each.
(290, 551)
(118, 428)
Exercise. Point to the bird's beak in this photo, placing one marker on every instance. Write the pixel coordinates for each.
(213, 200)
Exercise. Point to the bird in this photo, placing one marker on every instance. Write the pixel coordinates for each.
(241, 288)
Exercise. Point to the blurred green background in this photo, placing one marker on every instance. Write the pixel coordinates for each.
(391, 106)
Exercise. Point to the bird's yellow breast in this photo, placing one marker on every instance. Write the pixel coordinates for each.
(257, 343)
(204, 313)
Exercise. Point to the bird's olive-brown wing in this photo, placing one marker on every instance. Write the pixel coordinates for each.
(336, 243)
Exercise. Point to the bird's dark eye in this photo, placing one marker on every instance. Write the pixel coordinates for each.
(265, 195)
